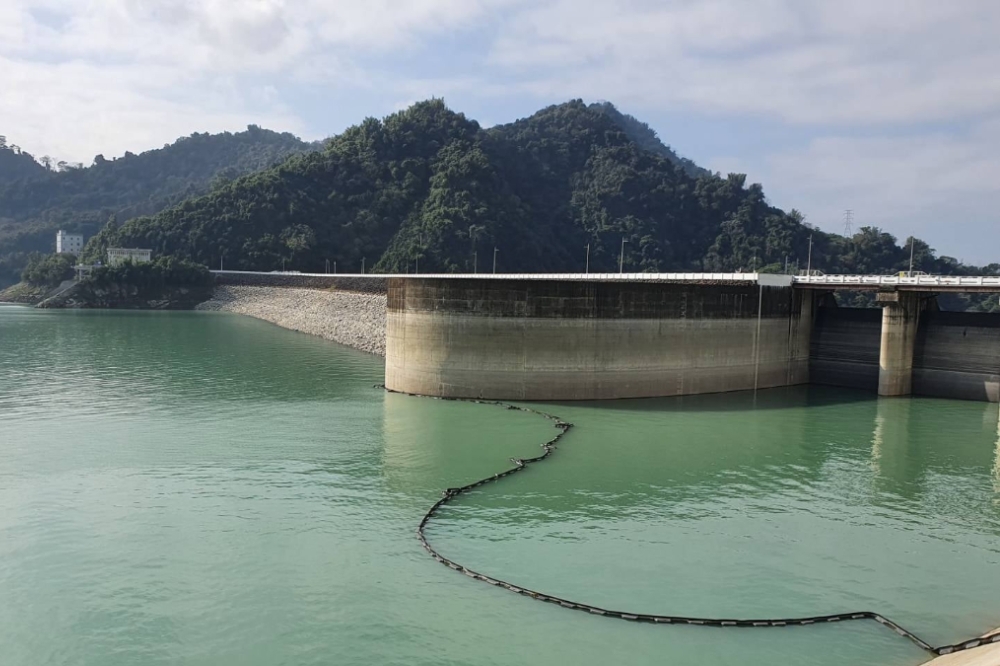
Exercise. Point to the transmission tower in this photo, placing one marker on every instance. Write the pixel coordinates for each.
(848, 222)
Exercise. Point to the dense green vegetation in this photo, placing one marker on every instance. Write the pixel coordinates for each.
(429, 188)
(48, 269)
(154, 276)
(15, 164)
(36, 201)
(646, 137)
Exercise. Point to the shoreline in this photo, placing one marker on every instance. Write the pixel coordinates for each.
(356, 320)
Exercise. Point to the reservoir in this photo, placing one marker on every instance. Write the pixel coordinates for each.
(207, 489)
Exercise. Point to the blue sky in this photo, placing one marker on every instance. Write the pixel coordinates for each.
(887, 107)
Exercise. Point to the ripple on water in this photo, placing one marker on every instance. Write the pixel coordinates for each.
(206, 489)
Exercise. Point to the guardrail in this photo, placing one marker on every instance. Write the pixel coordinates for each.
(765, 278)
(929, 281)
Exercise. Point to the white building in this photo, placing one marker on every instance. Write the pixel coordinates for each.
(119, 255)
(68, 243)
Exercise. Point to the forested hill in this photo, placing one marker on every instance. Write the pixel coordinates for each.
(429, 189)
(40, 201)
(428, 186)
(646, 137)
(15, 164)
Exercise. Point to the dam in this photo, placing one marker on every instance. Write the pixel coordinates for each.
(609, 336)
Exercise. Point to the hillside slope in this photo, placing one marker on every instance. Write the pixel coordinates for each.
(34, 207)
(428, 189)
(428, 186)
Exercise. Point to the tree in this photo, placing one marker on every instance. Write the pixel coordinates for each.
(298, 238)
(46, 162)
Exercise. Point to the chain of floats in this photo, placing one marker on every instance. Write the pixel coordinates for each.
(521, 464)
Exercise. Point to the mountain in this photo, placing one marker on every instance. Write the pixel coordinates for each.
(36, 202)
(646, 137)
(428, 188)
(15, 164)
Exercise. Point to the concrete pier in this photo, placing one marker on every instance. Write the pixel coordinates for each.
(900, 318)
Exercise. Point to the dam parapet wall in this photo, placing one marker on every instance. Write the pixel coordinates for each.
(362, 284)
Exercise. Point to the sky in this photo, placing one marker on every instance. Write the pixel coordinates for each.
(890, 108)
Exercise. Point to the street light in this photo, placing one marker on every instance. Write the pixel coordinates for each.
(475, 261)
(588, 258)
(621, 259)
(495, 250)
(362, 265)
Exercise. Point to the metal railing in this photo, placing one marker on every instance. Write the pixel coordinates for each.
(591, 277)
(930, 281)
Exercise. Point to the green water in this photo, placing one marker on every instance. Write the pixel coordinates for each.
(199, 488)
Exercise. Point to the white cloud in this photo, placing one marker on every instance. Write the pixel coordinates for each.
(79, 77)
(811, 62)
(75, 110)
(937, 186)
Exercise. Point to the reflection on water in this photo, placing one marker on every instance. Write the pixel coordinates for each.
(191, 488)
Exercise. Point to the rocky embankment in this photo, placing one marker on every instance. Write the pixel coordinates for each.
(88, 295)
(25, 294)
(353, 319)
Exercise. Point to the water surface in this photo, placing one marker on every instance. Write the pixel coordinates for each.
(202, 488)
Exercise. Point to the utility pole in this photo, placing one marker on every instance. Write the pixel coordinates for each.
(621, 258)
(475, 251)
(495, 250)
(809, 266)
(588, 258)
(786, 264)
(335, 267)
(848, 222)
(328, 266)
(912, 240)
(416, 260)
(362, 265)
(220, 263)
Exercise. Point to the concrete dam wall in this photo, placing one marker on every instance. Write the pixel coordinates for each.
(956, 355)
(554, 340)
(364, 284)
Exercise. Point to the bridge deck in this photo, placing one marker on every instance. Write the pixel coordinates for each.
(767, 279)
(923, 283)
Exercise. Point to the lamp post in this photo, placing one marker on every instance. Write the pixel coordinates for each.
(621, 258)
(588, 258)
(362, 265)
(475, 252)
(495, 250)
